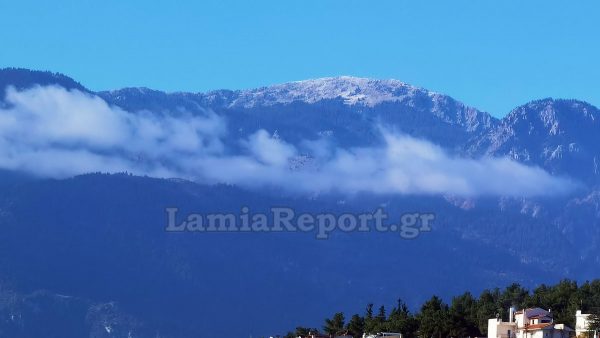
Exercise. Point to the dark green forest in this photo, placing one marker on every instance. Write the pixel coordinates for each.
(466, 315)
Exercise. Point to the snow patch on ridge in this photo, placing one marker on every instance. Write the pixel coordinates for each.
(353, 90)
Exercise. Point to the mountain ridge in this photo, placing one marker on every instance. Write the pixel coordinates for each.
(33, 77)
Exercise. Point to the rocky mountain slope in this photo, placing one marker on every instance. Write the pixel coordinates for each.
(561, 136)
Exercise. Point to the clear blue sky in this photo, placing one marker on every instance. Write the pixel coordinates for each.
(493, 55)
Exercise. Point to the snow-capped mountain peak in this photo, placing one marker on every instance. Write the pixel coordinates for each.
(352, 90)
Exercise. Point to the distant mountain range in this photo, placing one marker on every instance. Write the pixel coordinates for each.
(95, 243)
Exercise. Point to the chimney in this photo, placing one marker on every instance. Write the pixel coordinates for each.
(511, 314)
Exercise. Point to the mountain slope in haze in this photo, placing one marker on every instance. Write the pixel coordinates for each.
(100, 238)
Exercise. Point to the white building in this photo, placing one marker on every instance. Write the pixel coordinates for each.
(383, 335)
(528, 323)
(582, 325)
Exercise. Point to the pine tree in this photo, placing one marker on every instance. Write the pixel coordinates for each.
(434, 319)
(402, 321)
(369, 320)
(487, 307)
(380, 320)
(335, 324)
(356, 326)
(463, 316)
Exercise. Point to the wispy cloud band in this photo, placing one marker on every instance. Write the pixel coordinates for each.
(52, 132)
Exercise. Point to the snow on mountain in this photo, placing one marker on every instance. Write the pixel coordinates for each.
(352, 90)
(363, 92)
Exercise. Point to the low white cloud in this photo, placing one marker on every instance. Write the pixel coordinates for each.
(52, 132)
(49, 131)
(269, 150)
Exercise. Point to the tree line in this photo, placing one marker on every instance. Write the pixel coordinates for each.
(466, 315)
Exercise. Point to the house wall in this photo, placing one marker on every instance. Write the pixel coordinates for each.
(581, 322)
(500, 329)
(520, 319)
